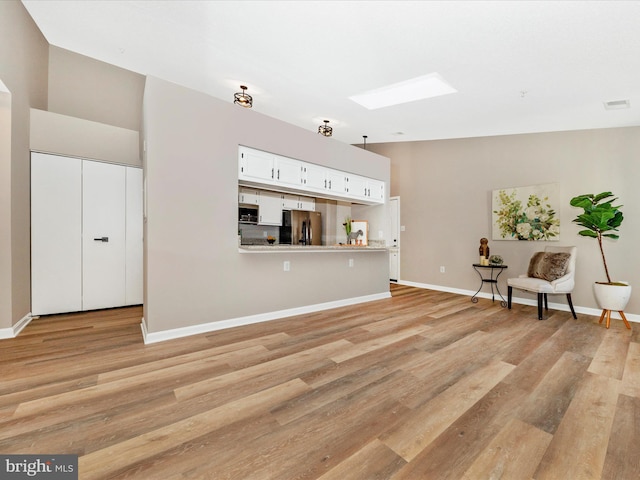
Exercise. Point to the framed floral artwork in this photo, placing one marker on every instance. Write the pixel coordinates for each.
(526, 213)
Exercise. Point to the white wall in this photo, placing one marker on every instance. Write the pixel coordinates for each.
(446, 189)
(77, 137)
(194, 272)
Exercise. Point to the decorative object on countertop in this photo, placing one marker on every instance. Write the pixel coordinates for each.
(347, 227)
(271, 240)
(526, 213)
(484, 251)
(600, 217)
(352, 238)
(325, 129)
(361, 226)
(495, 260)
(242, 99)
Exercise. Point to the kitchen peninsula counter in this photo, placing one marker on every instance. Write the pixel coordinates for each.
(308, 248)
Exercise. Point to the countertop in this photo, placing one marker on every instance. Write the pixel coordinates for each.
(276, 248)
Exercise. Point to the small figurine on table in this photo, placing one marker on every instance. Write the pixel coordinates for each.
(484, 251)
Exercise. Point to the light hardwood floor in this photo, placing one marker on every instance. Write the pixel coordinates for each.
(424, 385)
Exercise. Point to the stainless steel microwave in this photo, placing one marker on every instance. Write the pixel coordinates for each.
(248, 215)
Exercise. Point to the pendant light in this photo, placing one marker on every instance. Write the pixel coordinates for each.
(325, 129)
(242, 99)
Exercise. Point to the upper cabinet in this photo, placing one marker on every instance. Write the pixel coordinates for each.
(248, 196)
(256, 167)
(298, 202)
(337, 182)
(314, 177)
(288, 172)
(366, 188)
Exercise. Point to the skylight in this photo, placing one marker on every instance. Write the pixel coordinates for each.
(419, 88)
(617, 104)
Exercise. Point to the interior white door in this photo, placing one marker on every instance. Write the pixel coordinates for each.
(394, 251)
(394, 215)
(103, 223)
(56, 234)
(134, 240)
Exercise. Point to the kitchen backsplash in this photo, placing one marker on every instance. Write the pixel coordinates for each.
(257, 234)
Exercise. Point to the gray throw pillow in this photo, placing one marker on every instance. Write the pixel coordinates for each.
(548, 266)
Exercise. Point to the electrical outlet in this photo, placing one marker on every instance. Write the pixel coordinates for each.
(265, 234)
(351, 262)
(442, 269)
(287, 265)
(402, 229)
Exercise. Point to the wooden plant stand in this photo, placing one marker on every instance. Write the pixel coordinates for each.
(608, 314)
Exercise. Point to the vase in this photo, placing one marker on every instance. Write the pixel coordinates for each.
(612, 296)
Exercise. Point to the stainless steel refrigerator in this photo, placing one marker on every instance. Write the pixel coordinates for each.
(301, 228)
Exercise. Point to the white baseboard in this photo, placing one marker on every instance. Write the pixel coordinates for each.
(523, 301)
(14, 331)
(262, 317)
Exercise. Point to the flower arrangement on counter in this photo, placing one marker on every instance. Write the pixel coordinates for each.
(347, 225)
(535, 221)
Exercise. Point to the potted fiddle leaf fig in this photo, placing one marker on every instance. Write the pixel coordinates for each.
(600, 219)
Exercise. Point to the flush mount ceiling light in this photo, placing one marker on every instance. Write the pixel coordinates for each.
(325, 129)
(426, 86)
(617, 104)
(242, 99)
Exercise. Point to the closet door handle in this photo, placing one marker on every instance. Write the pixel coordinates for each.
(101, 239)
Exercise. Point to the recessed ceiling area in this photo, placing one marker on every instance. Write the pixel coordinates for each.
(302, 61)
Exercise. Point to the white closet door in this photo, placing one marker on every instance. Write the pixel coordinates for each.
(103, 224)
(134, 279)
(56, 234)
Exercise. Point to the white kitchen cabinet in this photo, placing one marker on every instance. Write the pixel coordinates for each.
(357, 186)
(307, 203)
(83, 212)
(290, 202)
(363, 188)
(259, 168)
(256, 165)
(248, 196)
(288, 172)
(298, 202)
(314, 177)
(269, 208)
(376, 190)
(337, 182)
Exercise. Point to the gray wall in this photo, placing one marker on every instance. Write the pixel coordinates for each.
(83, 87)
(194, 272)
(23, 69)
(76, 137)
(445, 188)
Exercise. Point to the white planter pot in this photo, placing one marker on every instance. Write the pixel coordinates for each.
(612, 297)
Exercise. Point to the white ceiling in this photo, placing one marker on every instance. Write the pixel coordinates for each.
(518, 66)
